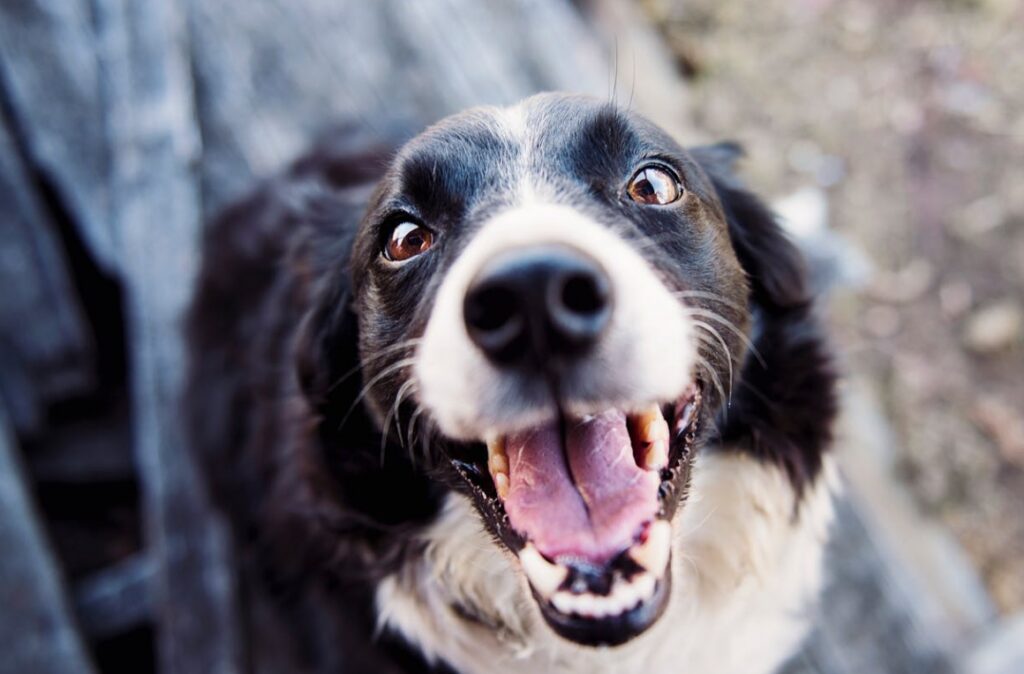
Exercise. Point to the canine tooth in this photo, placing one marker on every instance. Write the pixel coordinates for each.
(644, 586)
(651, 431)
(497, 465)
(497, 459)
(544, 576)
(654, 552)
(501, 485)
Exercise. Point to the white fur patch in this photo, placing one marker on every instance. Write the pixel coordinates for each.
(513, 122)
(746, 568)
(646, 354)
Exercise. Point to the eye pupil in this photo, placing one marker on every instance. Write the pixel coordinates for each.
(407, 240)
(654, 185)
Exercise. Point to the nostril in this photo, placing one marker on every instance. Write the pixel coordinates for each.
(494, 318)
(490, 309)
(584, 294)
(579, 306)
(528, 305)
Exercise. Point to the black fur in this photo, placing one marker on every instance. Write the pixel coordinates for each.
(284, 335)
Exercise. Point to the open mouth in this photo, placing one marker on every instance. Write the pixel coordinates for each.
(586, 504)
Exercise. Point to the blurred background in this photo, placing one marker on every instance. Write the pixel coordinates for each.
(889, 135)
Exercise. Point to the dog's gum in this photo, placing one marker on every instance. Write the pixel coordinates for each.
(653, 553)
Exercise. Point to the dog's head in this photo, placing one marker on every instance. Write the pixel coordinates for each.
(553, 302)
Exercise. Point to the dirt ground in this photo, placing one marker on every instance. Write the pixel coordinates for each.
(910, 115)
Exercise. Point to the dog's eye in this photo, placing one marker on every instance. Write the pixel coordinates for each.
(407, 240)
(654, 185)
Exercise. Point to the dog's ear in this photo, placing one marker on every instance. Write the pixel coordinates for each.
(783, 412)
(774, 265)
(326, 346)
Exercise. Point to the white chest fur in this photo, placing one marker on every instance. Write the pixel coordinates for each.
(746, 573)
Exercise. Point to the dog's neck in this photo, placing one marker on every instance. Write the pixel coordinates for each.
(746, 571)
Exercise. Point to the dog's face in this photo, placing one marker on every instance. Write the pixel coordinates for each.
(550, 309)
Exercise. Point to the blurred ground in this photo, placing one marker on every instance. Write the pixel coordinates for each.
(910, 116)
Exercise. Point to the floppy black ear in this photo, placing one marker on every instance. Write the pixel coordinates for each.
(783, 402)
(774, 265)
(326, 346)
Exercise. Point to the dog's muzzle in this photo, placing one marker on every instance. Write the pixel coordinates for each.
(555, 346)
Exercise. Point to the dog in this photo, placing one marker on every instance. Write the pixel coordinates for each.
(541, 391)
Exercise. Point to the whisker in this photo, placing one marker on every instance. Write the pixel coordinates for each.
(725, 347)
(394, 367)
(404, 344)
(714, 297)
(707, 340)
(715, 380)
(409, 437)
(403, 390)
(695, 311)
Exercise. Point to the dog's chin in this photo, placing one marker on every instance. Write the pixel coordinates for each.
(585, 505)
(610, 630)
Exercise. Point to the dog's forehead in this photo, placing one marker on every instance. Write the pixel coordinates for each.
(548, 147)
(544, 133)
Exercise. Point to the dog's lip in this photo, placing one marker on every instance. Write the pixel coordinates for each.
(607, 603)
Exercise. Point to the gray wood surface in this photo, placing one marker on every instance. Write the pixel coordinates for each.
(155, 200)
(865, 623)
(272, 75)
(45, 352)
(116, 599)
(37, 634)
(53, 79)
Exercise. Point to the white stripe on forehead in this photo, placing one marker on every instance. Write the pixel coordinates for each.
(514, 120)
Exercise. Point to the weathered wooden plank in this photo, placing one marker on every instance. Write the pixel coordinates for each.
(156, 207)
(1001, 651)
(51, 73)
(46, 343)
(272, 75)
(865, 622)
(116, 599)
(37, 634)
(92, 450)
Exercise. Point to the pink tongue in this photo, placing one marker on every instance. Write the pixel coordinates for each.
(592, 508)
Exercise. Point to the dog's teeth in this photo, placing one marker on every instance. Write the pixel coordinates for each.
(654, 552)
(625, 595)
(652, 437)
(501, 485)
(644, 586)
(563, 602)
(497, 465)
(544, 576)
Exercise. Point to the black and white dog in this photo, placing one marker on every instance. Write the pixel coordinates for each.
(548, 396)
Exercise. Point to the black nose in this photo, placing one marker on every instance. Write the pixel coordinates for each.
(539, 302)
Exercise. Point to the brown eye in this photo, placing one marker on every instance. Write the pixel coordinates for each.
(653, 185)
(407, 240)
